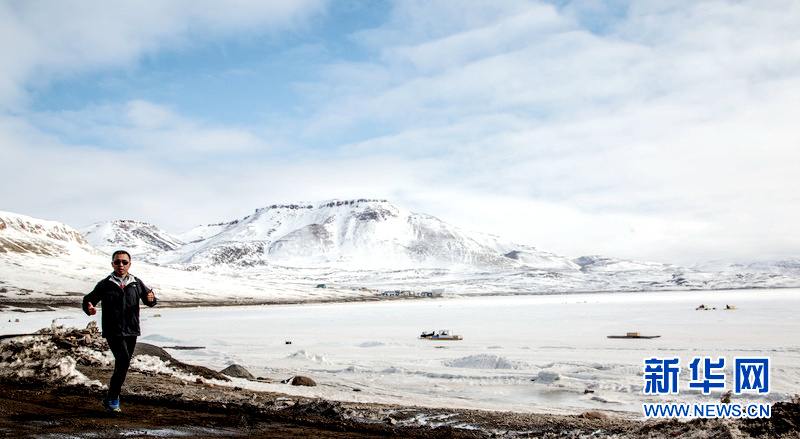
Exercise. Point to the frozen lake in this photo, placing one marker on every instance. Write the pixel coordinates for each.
(524, 353)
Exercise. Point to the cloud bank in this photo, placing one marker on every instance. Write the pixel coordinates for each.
(657, 131)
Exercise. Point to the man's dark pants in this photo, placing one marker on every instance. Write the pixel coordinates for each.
(122, 348)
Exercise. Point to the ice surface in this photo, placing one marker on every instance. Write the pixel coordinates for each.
(526, 353)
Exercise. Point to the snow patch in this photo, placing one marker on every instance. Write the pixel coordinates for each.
(305, 355)
(548, 377)
(486, 361)
(36, 357)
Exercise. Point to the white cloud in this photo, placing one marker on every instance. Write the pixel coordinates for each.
(678, 116)
(44, 40)
(665, 133)
(155, 130)
(510, 30)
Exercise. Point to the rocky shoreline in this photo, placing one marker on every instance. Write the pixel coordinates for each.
(52, 385)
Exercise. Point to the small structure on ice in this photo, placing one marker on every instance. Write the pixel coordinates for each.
(633, 335)
(444, 334)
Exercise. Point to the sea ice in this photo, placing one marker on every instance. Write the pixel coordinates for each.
(513, 349)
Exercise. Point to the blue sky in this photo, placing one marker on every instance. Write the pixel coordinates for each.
(651, 130)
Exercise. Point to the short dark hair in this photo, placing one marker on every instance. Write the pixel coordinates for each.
(121, 252)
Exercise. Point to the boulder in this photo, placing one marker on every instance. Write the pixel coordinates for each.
(302, 381)
(236, 371)
(155, 351)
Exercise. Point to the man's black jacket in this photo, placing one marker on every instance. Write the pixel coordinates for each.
(120, 315)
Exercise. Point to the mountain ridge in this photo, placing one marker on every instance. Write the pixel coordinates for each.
(282, 252)
(355, 234)
(25, 234)
(135, 236)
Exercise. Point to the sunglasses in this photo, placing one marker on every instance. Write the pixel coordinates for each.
(120, 262)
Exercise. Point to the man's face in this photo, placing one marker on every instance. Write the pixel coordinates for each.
(121, 264)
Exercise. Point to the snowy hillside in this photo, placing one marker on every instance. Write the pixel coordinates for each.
(133, 236)
(598, 263)
(789, 266)
(42, 259)
(357, 247)
(23, 234)
(49, 262)
(348, 234)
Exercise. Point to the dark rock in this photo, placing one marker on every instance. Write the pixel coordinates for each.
(155, 351)
(237, 371)
(302, 381)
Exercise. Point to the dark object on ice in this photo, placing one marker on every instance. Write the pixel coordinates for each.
(633, 335)
(444, 334)
(236, 371)
(726, 397)
(288, 342)
(299, 380)
(704, 308)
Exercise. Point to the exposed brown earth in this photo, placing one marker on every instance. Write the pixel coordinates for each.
(159, 406)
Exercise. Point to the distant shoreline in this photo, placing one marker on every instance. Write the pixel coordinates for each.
(42, 304)
(74, 299)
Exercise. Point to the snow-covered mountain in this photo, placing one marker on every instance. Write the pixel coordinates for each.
(23, 234)
(44, 260)
(598, 263)
(781, 266)
(49, 262)
(351, 234)
(133, 236)
(281, 252)
(374, 242)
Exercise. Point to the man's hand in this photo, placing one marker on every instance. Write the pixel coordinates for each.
(150, 296)
(91, 309)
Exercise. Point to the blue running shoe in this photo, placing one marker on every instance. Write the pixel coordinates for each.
(112, 404)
